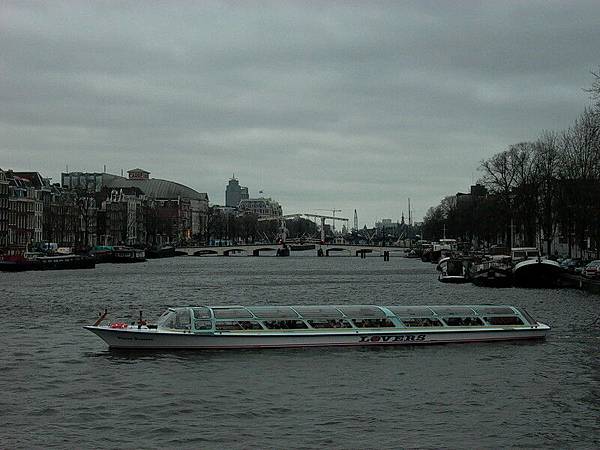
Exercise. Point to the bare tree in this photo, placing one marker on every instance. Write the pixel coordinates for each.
(546, 159)
(595, 89)
(509, 176)
(580, 177)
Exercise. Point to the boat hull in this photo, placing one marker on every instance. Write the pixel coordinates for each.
(455, 279)
(134, 338)
(540, 273)
(49, 263)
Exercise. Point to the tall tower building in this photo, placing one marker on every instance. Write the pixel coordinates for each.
(234, 193)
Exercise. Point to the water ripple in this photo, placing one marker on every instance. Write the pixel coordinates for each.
(62, 388)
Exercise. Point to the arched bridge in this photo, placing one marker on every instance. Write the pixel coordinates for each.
(271, 249)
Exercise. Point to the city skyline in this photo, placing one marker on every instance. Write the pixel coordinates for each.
(346, 106)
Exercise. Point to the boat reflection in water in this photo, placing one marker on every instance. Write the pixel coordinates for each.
(204, 327)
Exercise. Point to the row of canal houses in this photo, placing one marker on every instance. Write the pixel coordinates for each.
(89, 209)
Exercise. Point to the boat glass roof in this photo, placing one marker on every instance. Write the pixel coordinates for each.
(201, 312)
(487, 310)
(353, 311)
(362, 311)
(269, 312)
(231, 313)
(411, 311)
(318, 311)
(453, 310)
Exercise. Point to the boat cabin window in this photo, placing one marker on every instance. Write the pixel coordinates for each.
(463, 321)
(331, 323)
(504, 320)
(373, 323)
(285, 324)
(250, 325)
(201, 312)
(202, 324)
(278, 312)
(231, 313)
(176, 319)
(411, 311)
(524, 253)
(363, 311)
(528, 317)
(228, 325)
(421, 322)
(318, 311)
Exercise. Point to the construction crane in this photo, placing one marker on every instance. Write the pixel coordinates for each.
(333, 211)
(281, 220)
(323, 218)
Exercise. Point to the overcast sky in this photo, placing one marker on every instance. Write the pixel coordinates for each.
(319, 104)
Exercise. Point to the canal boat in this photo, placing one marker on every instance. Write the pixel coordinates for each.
(165, 251)
(539, 272)
(454, 270)
(240, 327)
(128, 255)
(34, 261)
(495, 271)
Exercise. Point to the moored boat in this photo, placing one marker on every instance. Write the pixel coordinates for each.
(16, 263)
(57, 262)
(221, 327)
(493, 272)
(453, 270)
(102, 253)
(165, 251)
(537, 272)
(128, 255)
(64, 262)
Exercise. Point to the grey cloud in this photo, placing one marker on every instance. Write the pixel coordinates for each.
(321, 104)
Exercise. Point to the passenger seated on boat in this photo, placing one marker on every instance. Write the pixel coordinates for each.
(329, 323)
(250, 325)
(285, 324)
(373, 323)
(508, 320)
(421, 322)
(463, 321)
(228, 326)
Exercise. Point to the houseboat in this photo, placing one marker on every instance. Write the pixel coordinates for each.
(39, 261)
(494, 271)
(128, 255)
(454, 270)
(228, 327)
(530, 269)
(539, 272)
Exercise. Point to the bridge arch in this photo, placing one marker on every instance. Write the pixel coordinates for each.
(233, 251)
(256, 251)
(205, 252)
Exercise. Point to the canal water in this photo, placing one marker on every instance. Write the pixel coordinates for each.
(61, 388)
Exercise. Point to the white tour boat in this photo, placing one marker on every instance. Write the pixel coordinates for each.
(221, 327)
